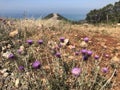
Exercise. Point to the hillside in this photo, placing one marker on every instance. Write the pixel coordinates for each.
(108, 14)
(55, 16)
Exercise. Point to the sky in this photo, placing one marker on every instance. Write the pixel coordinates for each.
(50, 6)
(34, 5)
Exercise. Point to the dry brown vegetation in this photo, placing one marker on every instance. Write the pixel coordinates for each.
(103, 39)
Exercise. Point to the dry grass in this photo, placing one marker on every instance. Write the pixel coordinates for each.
(55, 73)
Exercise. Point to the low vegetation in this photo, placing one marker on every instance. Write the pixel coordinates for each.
(107, 14)
(42, 55)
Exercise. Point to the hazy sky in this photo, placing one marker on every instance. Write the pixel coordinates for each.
(52, 5)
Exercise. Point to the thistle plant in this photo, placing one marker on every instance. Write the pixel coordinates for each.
(68, 67)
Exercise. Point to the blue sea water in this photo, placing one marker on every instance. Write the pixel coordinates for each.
(36, 15)
(75, 17)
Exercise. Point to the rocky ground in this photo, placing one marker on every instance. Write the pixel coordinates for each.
(104, 40)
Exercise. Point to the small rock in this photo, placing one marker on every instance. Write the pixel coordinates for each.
(21, 50)
(44, 80)
(71, 46)
(115, 59)
(27, 73)
(118, 24)
(105, 47)
(118, 47)
(3, 71)
(71, 57)
(22, 47)
(17, 82)
(4, 48)
(83, 44)
(13, 33)
(102, 43)
(52, 44)
(5, 74)
(66, 42)
(47, 67)
(9, 46)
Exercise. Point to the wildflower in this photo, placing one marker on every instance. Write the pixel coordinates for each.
(76, 71)
(56, 47)
(85, 57)
(89, 53)
(104, 70)
(86, 39)
(11, 56)
(20, 51)
(59, 45)
(96, 57)
(106, 55)
(40, 41)
(21, 68)
(62, 39)
(36, 64)
(76, 53)
(83, 51)
(58, 55)
(30, 42)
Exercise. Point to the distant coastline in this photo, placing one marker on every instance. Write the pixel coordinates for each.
(70, 16)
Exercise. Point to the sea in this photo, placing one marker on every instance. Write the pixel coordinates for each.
(37, 15)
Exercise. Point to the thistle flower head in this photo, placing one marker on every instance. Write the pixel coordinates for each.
(21, 68)
(36, 64)
(96, 57)
(59, 45)
(76, 71)
(62, 39)
(19, 51)
(85, 57)
(30, 42)
(106, 55)
(86, 39)
(11, 56)
(58, 55)
(105, 70)
(40, 41)
(89, 53)
(83, 51)
(76, 53)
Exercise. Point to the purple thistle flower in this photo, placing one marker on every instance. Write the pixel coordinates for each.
(96, 57)
(21, 68)
(59, 45)
(36, 64)
(30, 42)
(11, 56)
(106, 55)
(76, 71)
(86, 39)
(85, 57)
(83, 51)
(76, 53)
(104, 70)
(40, 41)
(89, 53)
(19, 51)
(62, 39)
(58, 55)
